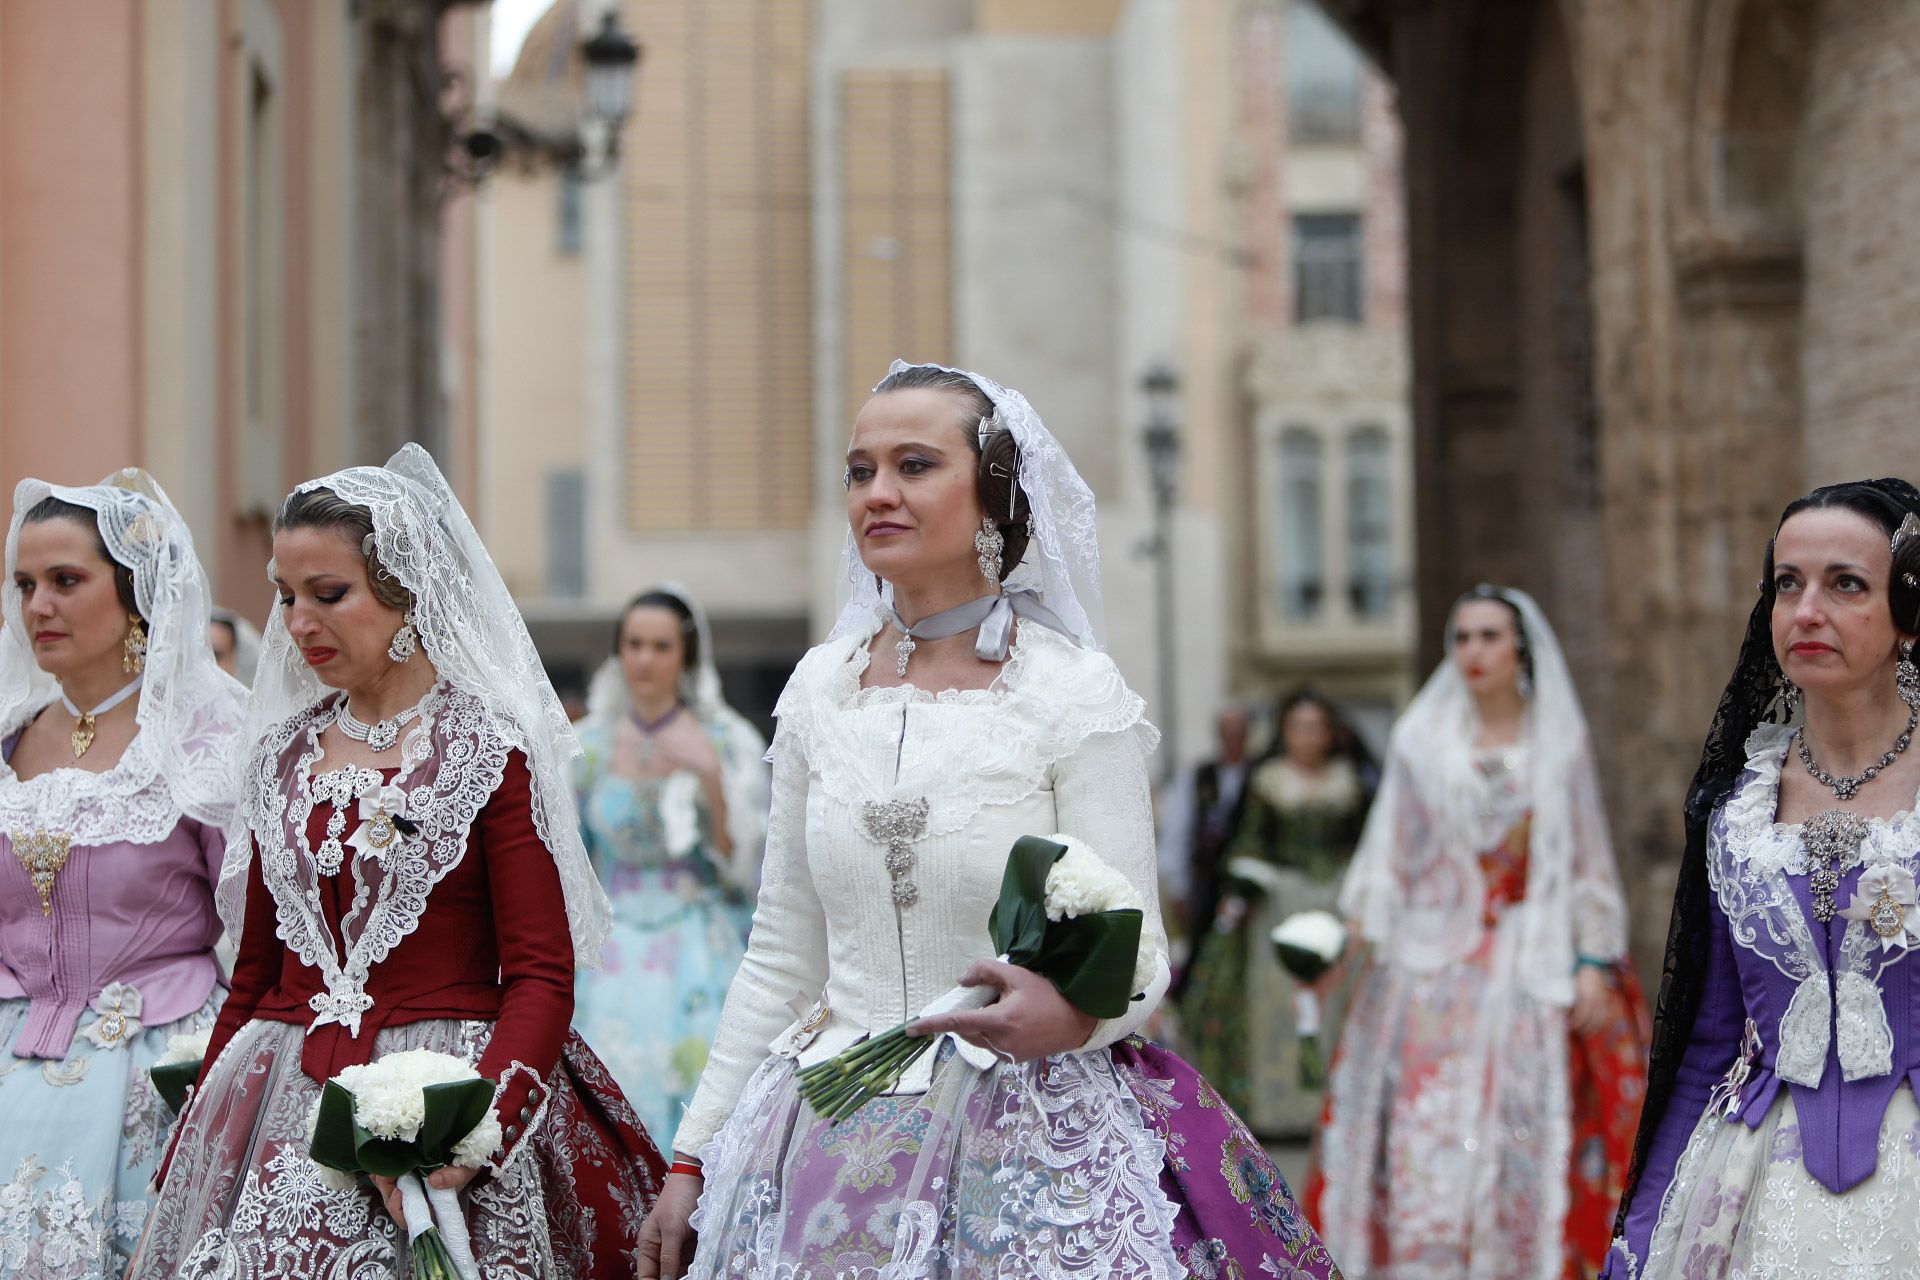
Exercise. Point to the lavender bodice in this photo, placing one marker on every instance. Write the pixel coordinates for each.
(138, 914)
(1835, 1016)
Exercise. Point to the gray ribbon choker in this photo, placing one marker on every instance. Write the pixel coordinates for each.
(994, 616)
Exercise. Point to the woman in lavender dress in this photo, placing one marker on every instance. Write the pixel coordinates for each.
(1780, 1136)
(909, 757)
(116, 781)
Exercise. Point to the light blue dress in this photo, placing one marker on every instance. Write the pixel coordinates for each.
(680, 919)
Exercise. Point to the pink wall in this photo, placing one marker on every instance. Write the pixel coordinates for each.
(70, 267)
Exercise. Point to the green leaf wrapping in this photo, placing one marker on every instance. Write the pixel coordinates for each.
(452, 1110)
(1302, 964)
(172, 1081)
(1089, 958)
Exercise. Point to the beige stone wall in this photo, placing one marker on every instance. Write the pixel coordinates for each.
(718, 262)
(1860, 200)
(1740, 176)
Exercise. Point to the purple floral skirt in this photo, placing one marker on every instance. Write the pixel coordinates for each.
(1117, 1165)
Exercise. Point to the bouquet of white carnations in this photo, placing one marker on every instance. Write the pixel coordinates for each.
(403, 1116)
(175, 1070)
(1062, 913)
(1309, 944)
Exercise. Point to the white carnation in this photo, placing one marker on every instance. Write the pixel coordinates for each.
(478, 1147)
(185, 1046)
(387, 1097)
(1080, 883)
(1318, 933)
(1261, 875)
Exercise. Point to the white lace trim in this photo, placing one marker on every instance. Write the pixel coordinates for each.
(1049, 698)
(1755, 839)
(1749, 860)
(468, 760)
(190, 712)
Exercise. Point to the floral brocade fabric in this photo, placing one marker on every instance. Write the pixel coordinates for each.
(1118, 1164)
(243, 1200)
(1444, 1156)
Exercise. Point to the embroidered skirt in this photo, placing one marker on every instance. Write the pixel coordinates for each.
(1115, 1165)
(243, 1201)
(652, 1008)
(1743, 1205)
(79, 1139)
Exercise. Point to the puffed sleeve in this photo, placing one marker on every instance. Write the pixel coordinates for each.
(536, 954)
(786, 953)
(1715, 1043)
(1102, 798)
(1598, 903)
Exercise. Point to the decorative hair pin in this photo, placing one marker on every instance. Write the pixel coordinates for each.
(1908, 527)
(366, 545)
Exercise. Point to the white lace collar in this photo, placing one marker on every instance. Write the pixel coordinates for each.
(467, 761)
(1051, 695)
(1755, 841)
(132, 803)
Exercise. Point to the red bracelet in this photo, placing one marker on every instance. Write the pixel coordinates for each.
(687, 1167)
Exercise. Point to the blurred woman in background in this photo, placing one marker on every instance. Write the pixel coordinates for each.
(673, 792)
(1242, 1013)
(1484, 1094)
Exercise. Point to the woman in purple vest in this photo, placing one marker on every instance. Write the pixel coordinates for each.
(1781, 1136)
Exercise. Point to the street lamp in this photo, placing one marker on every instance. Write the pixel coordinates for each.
(590, 149)
(1160, 439)
(611, 56)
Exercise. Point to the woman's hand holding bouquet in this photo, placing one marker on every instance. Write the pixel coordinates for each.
(1067, 927)
(409, 1114)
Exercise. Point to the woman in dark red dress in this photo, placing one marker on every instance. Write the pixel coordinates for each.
(416, 882)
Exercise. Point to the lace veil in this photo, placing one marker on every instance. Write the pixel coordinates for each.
(182, 760)
(471, 628)
(1415, 883)
(1062, 564)
(742, 762)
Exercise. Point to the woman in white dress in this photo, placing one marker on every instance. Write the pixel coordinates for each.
(908, 759)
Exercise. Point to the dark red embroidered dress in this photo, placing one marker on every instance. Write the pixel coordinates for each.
(453, 937)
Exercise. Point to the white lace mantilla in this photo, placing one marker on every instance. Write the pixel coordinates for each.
(190, 712)
(446, 789)
(1749, 860)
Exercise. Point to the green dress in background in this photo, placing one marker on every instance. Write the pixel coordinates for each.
(1238, 1010)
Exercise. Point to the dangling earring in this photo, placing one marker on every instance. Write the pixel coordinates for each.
(1906, 676)
(1525, 683)
(1790, 696)
(405, 641)
(989, 542)
(133, 658)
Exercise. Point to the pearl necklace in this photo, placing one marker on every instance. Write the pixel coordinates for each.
(381, 735)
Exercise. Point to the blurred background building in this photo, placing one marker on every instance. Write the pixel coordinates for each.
(1063, 194)
(228, 249)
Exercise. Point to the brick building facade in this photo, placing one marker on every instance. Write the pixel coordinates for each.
(1663, 276)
